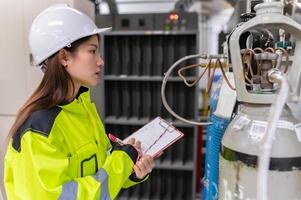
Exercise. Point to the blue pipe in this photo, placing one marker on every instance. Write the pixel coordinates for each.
(214, 137)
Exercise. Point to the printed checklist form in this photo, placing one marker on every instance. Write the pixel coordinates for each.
(156, 136)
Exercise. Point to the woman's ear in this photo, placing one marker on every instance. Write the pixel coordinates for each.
(64, 57)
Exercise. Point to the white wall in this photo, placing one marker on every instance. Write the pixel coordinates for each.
(216, 24)
(5, 123)
(12, 70)
(18, 78)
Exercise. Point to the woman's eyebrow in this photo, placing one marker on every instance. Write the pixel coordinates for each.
(94, 45)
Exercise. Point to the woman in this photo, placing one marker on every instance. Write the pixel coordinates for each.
(58, 148)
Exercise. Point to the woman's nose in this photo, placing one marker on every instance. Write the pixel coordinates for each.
(100, 61)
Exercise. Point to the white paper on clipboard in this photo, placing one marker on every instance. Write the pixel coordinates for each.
(156, 136)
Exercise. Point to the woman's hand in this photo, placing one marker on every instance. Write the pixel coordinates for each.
(144, 166)
(136, 144)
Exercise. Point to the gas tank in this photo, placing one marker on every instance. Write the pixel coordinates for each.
(239, 152)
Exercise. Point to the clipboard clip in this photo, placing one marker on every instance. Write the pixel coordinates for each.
(166, 127)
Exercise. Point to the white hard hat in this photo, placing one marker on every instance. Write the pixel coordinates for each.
(57, 27)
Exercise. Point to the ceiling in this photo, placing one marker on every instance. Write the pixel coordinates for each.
(208, 7)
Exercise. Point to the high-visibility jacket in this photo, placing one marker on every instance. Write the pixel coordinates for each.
(64, 153)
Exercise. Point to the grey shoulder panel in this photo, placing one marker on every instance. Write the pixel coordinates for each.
(39, 122)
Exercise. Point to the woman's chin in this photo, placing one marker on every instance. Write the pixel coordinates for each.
(94, 83)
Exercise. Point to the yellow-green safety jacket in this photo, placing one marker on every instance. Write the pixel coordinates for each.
(64, 153)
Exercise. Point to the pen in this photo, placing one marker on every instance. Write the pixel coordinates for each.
(115, 139)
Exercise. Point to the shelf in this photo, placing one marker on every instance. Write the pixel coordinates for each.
(174, 166)
(125, 120)
(137, 61)
(140, 121)
(153, 32)
(143, 78)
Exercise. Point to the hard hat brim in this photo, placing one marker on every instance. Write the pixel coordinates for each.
(103, 30)
(94, 32)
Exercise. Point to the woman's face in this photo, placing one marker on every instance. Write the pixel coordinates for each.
(85, 64)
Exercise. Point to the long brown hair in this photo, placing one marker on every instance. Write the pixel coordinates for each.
(52, 90)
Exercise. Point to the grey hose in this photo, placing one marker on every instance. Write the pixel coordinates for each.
(165, 79)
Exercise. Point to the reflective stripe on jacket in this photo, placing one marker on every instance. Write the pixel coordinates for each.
(64, 153)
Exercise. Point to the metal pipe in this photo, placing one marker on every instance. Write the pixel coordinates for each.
(112, 7)
(165, 79)
(275, 76)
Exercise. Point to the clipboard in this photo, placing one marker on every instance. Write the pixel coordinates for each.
(156, 136)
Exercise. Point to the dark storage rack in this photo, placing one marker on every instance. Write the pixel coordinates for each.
(135, 62)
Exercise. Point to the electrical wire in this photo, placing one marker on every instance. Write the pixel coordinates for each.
(163, 86)
(269, 49)
(224, 75)
(182, 76)
(247, 61)
(210, 77)
(217, 63)
(248, 56)
(258, 63)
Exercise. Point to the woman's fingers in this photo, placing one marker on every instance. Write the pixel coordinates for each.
(144, 166)
(138, 145)
(147, 162)
(131, 141)
(150, 162)
(138, 172)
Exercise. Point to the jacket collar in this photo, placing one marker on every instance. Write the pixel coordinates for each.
(81, 90)
(75, 106)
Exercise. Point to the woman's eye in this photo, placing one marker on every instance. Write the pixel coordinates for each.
(93, 51)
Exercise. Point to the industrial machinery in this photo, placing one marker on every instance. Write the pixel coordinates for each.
(260, 154)
(221, 113)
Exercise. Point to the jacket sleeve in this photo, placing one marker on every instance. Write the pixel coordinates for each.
(42, 172)
(133, 179)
